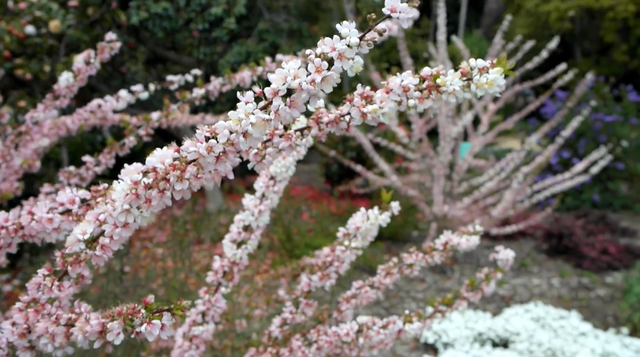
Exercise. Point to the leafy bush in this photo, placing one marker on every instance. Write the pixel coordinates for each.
(38, 40)
(600, 35)
(586, 239)
(631, 300)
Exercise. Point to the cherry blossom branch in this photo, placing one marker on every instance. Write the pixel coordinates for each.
(262, 129)
(367, 335)
(19, 143)
(411, 263)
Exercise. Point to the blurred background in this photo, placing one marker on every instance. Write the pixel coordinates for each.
(38, 39)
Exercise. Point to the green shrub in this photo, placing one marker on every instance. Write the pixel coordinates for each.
(631, 301)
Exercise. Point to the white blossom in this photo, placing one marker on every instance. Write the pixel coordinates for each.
(532, 329)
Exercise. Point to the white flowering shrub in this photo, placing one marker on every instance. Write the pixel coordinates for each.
(528, 330)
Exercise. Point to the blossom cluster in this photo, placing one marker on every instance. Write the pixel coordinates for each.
(404, 13)
(410, 263)
(90, 329)
(391, 27)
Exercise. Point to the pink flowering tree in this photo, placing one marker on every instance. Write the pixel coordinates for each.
(445, 160)
(49, 216)
(271, 128)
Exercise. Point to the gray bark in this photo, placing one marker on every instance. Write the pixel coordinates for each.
(462, 19)
(491, 17)
(434, 17)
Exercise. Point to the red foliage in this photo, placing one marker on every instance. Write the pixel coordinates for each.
(323, 201)
(587, 239)
(308, 198)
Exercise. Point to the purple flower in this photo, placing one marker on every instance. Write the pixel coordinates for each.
(581, 146)
(619, 165)
(611, 118)
(543, 176)
(597, 126)
(633, 121)
(548, 109)
(554, 132)
(633, 96)
(595, 197)
(565, 154)
(546, 203)
(562, 94)
(602, 139)
(575, 160)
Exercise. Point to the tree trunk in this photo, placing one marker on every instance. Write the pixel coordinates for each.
(350, 9)
(434, 17)
(462, 19)
(491, 17)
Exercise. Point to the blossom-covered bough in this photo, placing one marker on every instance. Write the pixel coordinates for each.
(50, 216)
(458, 180)
(269, 130)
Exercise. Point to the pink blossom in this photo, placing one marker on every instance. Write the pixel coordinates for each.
(269, 131)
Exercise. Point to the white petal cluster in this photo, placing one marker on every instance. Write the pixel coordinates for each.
(485, 80)
(403, 12)
(532, 329)
(65, 79)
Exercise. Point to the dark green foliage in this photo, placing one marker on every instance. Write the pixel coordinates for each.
(600, 35)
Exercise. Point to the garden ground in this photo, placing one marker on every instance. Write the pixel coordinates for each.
(157, 262)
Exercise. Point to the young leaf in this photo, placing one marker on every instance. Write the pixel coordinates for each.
(386, 196)
(505, 65)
